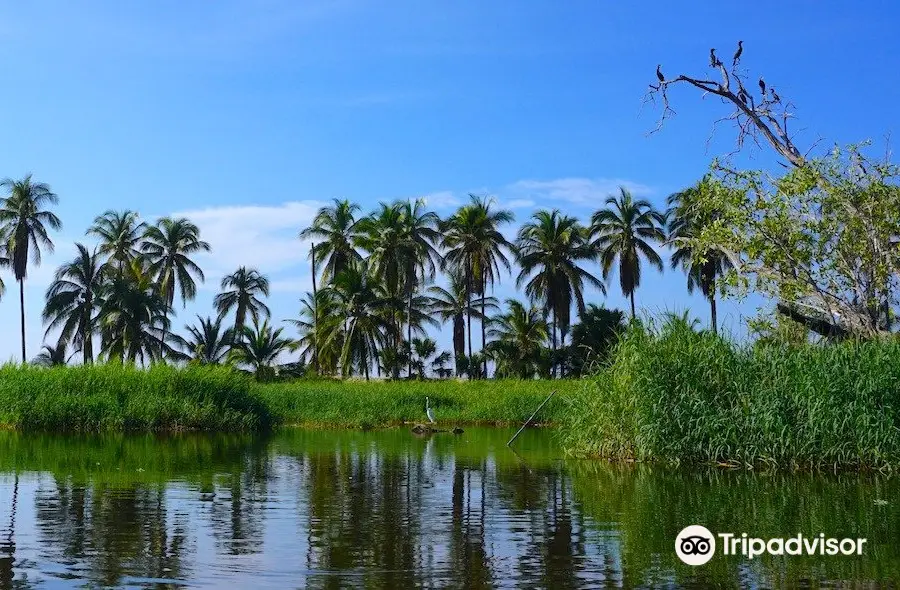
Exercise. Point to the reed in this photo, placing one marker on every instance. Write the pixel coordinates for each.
(678, 396)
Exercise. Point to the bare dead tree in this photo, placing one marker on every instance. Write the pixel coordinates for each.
(760, 115)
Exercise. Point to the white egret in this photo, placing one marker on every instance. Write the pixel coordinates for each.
(428, 411)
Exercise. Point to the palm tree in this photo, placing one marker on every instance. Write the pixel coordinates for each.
(519, 334)
(23, 223)
(594, 336)
(73, 299)
(454, 304)
(168, 246)
(363, 324)
(624, 230)
(335, 227)
(241, 291)
(120, 233)
(260, 348)
(316, 313)
(421, 233)
(51, 356)
(439, 362)
(207, 342)
(133, 317)
(477, 249)
(551, 246)
(704, 266)
(422, 349)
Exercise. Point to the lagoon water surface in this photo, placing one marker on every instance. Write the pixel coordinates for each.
(388, 509)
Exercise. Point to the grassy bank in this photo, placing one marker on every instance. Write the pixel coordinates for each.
(116, 397)
(121, 398)
(678, 396)
(360, 404)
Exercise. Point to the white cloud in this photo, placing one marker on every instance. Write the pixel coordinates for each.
(442, 200)
(259, 236)
(519, 204)
(577, 191)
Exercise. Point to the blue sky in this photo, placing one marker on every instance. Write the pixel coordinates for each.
(247, 115)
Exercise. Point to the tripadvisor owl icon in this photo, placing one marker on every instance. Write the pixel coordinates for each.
(695, 545)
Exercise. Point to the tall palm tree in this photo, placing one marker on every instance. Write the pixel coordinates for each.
(23, 224)
(133, 317)
(363, 325)
(335, 229)
(454, 304)
(120, 233)
(518, 338)
(551, 247)
(316, 314)
(422, 349)
(73, 300)
(168, 247)
(421, 234)
(241, 291)
(624, 231)
(260, 347)
(207, 343)
(704, 266)
(477, 249)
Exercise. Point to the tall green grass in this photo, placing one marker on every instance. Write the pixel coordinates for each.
(680, 396)
(117, 397)
(361, 404)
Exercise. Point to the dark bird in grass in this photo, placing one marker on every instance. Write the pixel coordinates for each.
(762, 86)
(659, 74)
(713, 60)
(737, 54)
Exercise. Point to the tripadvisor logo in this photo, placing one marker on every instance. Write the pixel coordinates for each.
(696, 545)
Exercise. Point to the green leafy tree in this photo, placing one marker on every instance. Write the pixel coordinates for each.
(519, 335)
(702, 267)
(133, 317)
(207, 342)
(593, 337)
(476, 249)
(363, 324)
(551, 248)
(454, 304)
(260, 348)
(242, 291)
(422, 350)
(168, 247)
(624, 231)
(334, 231)
(73, 301)
(24, 221)
(119, 233)
(314, 323)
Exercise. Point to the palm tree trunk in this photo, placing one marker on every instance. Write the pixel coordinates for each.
(468, 318)
(553, 358)
(483, 321)
(409, 363)
(632, 304)
(315, 353)
(87, 342)
(712, 313)
(22, 314)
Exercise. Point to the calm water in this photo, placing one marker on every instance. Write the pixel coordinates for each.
(387, 509)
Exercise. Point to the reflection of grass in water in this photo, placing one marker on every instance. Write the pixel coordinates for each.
(355, 403)
(685, 397)
(127, 458)
(117, 397)
(651, 505)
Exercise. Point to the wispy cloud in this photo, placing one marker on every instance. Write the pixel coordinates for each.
(264, 237)
(576, 191)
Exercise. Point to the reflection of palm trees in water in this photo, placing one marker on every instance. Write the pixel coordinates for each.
(8, 545)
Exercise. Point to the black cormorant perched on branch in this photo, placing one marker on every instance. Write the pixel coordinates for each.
(762, 86)
(713, 60)
(659, 74)
(775, 96)
(737, 54)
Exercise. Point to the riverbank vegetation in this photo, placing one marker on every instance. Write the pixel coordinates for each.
(676, 395)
